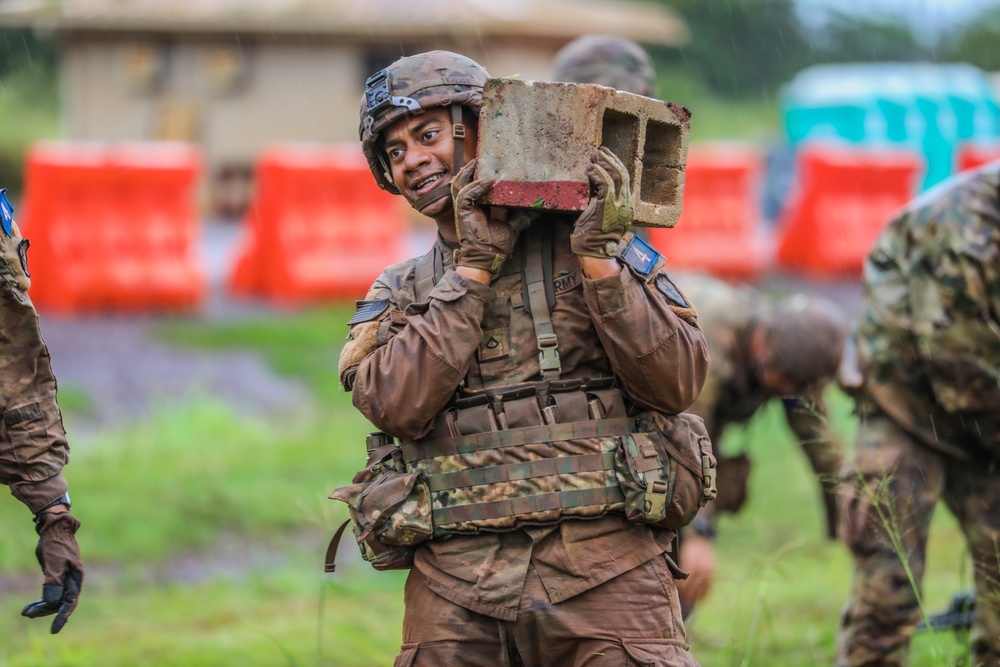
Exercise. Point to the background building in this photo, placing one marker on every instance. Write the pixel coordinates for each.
(233, 76)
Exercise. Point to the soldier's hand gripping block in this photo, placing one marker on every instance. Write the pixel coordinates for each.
(536, 139)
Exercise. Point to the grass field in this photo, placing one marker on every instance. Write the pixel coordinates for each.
(204, 534)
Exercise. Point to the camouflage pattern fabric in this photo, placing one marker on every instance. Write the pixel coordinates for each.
(923, 364)
(889, 494)
(609, 61)
(731, 395)
(33, 447)
(928, 334)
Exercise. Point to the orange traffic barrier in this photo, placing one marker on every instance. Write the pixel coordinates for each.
(318, 227)
(719, 226)
(843, 199)
(113, 227)
(972, 156)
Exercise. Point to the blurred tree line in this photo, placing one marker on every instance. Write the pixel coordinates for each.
(748, 48)
(21, 50)
(28, 98)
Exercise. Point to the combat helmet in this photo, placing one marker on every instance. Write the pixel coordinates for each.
(412, 85)
(606, 60)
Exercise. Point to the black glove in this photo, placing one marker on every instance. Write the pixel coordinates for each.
(608, 214)
(59, 556)
(484, 243)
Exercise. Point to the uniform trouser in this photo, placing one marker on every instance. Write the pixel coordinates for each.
(634, 619)
(889, 494)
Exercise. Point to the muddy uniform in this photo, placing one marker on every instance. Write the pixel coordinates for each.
(731, 394)
(923, 364)
(33, 448)
(543, 588)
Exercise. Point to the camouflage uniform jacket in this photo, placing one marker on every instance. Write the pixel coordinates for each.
(419, 353)
(926, 346)
(731, 394)
(33, 448)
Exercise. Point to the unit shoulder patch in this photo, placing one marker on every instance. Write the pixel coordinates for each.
(669, 290)
(368, 310)
(6, 213)
(643, 258)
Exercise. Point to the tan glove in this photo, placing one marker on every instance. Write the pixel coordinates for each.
(608, 214)
(484, 243)
(62, 566)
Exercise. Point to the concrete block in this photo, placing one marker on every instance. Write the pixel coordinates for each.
(535, 141)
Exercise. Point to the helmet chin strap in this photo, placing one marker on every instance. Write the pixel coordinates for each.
(458, 138)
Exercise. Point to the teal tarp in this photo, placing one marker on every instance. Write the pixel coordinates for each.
(929, 108)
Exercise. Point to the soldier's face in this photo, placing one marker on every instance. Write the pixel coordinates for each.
(421, 154)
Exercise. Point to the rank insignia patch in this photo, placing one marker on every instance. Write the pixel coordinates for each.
(495, 345)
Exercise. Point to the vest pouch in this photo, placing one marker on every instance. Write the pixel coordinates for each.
(390, 515)
(666, 470)
(382, 556)
(396, 507)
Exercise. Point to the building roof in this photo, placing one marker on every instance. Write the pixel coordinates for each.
(539, 19)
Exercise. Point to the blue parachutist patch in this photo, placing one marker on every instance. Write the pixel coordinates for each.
(368, 311)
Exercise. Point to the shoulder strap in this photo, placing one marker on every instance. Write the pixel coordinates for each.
(537, 277)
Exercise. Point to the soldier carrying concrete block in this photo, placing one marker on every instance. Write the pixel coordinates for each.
(526, 375)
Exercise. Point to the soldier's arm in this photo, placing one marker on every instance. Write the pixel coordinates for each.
(33, 447)
(650, 332)
(403, 369)
(808, 419)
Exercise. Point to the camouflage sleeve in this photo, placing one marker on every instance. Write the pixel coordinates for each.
(409, 365)
(652, 339)
(33, 447)
(808, 419)
(807, 416)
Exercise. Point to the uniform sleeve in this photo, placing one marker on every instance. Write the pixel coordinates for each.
(652, 339)
(808, 419)
(33, 446)
(402, 382)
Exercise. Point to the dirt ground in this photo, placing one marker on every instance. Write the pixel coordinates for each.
(126, 371)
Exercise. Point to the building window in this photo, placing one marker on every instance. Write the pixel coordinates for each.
(144, 65)
(226, 67)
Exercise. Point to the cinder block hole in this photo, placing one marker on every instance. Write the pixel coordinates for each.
(661, 157)
(620, 133)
